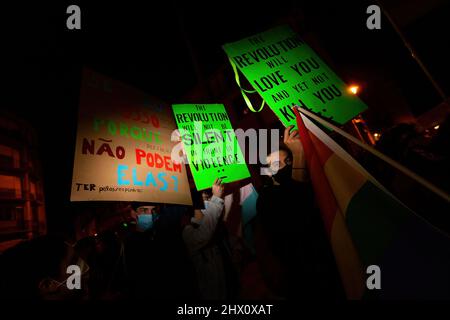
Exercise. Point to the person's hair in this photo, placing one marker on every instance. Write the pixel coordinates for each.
(137, 204)
(289, 157)
(208, 192)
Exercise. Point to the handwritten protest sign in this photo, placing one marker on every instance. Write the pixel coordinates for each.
(285, 71)
(123, 146)
(210, 144)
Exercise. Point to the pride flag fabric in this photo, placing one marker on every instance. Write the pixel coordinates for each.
(238, 222)
(367, 225)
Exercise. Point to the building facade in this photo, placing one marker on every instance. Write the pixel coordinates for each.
(22, 208)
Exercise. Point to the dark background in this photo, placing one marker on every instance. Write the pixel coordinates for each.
(167, 48)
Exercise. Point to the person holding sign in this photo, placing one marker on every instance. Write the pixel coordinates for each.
(289, 162)
(199, 237)
(290, 240)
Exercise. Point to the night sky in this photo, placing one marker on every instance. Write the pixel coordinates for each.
(153, 47)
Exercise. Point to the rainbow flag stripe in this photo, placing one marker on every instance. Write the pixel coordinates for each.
(367, 225)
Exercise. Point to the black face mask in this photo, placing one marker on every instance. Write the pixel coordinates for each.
(283, 175)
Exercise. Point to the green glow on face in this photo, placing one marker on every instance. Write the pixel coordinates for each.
(210, 144)
(285, 71)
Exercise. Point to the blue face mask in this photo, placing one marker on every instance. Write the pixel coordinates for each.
(144, 222)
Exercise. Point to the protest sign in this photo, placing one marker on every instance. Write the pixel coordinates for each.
(285, 71)
(123, 146)
(210, 144)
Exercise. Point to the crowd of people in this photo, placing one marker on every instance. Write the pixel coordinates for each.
(164, 251)
(426, 154)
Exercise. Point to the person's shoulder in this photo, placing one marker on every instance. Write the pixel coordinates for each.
(268, 190)
(294, 184)
(297, 189)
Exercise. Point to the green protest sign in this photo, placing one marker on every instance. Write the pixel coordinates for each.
(210, 144)
(285, 71)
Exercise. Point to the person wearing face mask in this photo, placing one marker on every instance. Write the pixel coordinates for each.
(142, 253)
(287, 165)
(146, 217)
(290, 240)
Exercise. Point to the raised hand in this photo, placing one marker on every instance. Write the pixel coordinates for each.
(217, 188)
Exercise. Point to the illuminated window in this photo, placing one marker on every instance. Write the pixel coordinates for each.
(7, 213)
(10, 187)
(9, 157)
(33, 190)
(11, 216)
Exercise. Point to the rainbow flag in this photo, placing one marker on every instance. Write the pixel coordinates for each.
(367, 225)
(238, 223)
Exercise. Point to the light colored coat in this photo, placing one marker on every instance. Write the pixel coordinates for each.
(207, 259)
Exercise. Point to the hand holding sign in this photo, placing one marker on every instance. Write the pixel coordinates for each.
(292, 141)
(217, 188)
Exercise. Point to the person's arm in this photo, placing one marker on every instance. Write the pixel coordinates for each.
(293, 142)
(198, 237)
(213, 212)
(216, 203)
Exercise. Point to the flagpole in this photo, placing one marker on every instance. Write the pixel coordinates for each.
(380, 155)
(414, 54)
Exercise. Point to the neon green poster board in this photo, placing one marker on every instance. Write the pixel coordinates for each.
(285, 71)
(210, 144)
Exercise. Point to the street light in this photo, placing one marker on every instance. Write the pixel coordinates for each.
(377, 136)
(353, 89)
